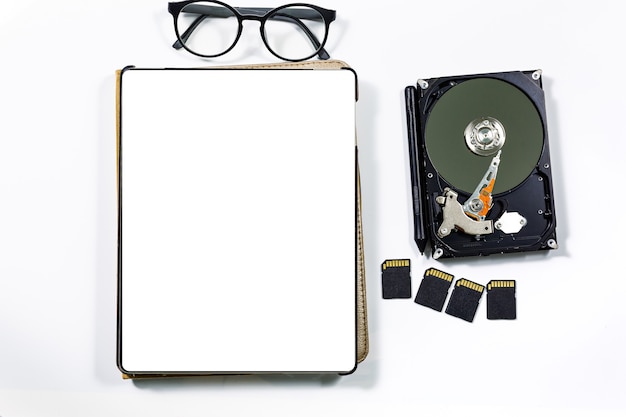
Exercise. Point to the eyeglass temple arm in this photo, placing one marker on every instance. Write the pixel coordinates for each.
(185, 35)
(294, 16)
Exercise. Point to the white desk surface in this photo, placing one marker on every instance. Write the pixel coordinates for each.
(564, 355)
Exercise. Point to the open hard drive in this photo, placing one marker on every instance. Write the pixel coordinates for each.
(480, 164)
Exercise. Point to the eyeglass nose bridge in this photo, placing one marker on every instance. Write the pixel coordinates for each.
(257, 15)
(249, 13)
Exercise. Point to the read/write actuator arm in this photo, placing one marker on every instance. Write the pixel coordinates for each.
(470, 217)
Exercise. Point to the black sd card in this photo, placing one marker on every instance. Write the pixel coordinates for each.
(501, 303)
(396, 278)
(433, 289)
(464, 299)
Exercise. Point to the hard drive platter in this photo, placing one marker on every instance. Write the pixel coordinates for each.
(480, 164)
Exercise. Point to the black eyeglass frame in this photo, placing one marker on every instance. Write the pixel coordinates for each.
(259, 14)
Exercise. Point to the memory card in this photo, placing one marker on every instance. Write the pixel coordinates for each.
(464, 299)
(433, 289)
(396, 276)
(501, 303)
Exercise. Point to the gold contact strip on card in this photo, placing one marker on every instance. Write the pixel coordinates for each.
(396, 263)
(469, 284)
(439, 274)
(501, 284)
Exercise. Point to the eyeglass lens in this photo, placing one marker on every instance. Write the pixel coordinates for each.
(210, 29)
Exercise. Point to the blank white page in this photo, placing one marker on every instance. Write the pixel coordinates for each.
(237, 221)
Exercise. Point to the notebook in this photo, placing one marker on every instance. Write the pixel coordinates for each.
(239, 242)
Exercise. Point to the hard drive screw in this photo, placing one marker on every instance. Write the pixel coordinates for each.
(536, 75)
(539, 211)
(498, 225)
(430, 175)
(546, 166)
(423, 84)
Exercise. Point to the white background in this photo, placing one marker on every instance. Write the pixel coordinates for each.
(564, 355)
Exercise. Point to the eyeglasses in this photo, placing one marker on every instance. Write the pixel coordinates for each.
(293, 32)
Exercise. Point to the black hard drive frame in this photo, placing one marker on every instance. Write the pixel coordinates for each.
(534, 197)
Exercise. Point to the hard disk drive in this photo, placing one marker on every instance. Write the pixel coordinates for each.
(480, 164)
